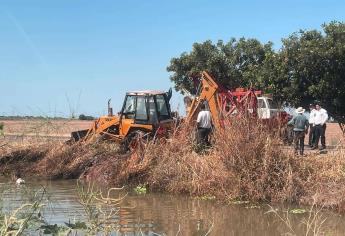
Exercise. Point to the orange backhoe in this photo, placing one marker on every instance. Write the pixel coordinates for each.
(143, 114)
(148, 113)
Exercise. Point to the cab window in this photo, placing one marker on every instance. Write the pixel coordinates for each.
(162, 107)
(152, 111)
(141, 112)
(129, 107)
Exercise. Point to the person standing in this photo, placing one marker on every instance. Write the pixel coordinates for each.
(311, 125)
(204, 125)
(320, 118)
(300, 127)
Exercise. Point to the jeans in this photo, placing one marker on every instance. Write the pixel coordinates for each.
(299, 141)
(203, 134)
(320, 131)
(311, 135)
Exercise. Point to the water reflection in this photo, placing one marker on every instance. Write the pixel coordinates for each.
(159, 214)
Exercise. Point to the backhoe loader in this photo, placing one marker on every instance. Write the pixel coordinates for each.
(144, 114)
(237, 103)
(221, 102)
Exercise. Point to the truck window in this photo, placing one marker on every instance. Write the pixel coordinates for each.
(261, 103)
(272, 104)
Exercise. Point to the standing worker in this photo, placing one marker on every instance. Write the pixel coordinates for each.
(300, 127)
(320, 118)
(311, 125)
(204, 124)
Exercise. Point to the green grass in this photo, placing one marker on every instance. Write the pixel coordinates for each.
(100, 210)
(1, 129)
(140, 189)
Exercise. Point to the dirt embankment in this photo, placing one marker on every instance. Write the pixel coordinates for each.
(245, 163)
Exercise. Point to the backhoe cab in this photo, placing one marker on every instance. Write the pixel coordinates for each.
(144, 114)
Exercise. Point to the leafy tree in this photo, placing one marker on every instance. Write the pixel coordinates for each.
(234, 64)
(84, 117)
(309, 66)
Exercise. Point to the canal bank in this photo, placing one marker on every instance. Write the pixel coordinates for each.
(238, 167)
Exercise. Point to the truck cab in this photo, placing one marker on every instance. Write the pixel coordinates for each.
(267, 108)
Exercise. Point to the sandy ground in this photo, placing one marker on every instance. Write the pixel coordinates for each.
(46, 128)
(334, 136)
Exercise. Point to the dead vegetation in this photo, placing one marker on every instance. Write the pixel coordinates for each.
(245, 163)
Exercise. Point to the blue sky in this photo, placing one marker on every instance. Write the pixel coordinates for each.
(69, 56)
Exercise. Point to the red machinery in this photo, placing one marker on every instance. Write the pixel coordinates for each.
(221, 101)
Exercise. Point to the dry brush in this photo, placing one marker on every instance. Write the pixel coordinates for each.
(246, 162)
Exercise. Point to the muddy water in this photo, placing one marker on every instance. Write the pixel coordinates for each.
(160, 214)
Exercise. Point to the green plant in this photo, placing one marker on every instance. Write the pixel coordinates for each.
(298, 211)
(207, 197)
(140, 189)
(23, 218)
(55, 229)
(313, 222)
(1, 128)
(100, 211)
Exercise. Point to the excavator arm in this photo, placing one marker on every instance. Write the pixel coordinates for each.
(222, 102)
(208, 93)
(99, 126)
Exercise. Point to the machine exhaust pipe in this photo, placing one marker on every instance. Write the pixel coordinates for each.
(110, 109)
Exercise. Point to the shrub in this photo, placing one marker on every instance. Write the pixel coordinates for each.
(84, 117)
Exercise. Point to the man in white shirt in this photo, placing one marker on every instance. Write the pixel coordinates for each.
(311, 125)
(204, 124)
(320, 117)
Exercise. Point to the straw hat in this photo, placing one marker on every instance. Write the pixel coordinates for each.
(300, 110)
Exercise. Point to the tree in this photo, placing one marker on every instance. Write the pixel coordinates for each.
(84, 117)
(234, 64)
(309, 66)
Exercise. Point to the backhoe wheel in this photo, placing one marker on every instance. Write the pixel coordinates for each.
(136, 140)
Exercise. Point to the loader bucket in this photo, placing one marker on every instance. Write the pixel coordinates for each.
(78, 135)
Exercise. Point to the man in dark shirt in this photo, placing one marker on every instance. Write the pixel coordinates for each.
(300, 127)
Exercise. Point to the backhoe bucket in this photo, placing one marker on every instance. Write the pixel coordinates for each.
(78, 135)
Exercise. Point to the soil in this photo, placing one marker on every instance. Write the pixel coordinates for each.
(334, 136)
(43, 127)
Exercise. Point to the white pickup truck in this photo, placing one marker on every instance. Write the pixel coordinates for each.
(269, 111)
(268, 108)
